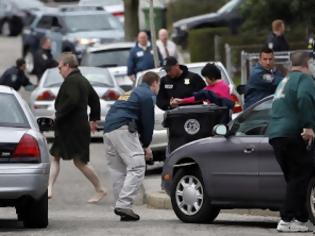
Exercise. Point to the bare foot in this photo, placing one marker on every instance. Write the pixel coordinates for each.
(97, 197)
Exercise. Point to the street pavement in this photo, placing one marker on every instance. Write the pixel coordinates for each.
(70, 214)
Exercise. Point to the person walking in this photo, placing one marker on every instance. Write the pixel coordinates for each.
(276, 40)
(179, 82)
(72, 126)
(128, 130)
(263, 79)
(291, 134)
(166, 46)
(141, 56)
(43, 58)
(15, 77)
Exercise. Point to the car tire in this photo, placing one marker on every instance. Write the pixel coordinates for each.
(310, 199)
(29, 59)
(184, 198)
(36, 213)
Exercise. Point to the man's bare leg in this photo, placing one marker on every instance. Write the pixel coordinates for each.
(54, 172)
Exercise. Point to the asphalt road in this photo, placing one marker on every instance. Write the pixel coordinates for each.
(70, 214)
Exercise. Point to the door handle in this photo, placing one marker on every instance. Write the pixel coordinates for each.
(249, 150)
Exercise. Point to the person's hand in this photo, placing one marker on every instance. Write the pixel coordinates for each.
(148, 155)
(174, 102)
(93, 126)
(308, 135)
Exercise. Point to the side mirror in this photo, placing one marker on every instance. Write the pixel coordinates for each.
(220, 130)
(45, 124)
(241, 89)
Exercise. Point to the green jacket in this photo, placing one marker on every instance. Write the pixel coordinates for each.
(72, 128)
(293, 107)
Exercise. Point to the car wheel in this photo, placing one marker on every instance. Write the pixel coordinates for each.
(29, 59)
(189, 198)
(6, 28)
(36, 213)
(310, 202)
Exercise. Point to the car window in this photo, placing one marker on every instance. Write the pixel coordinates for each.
(12, 114)
(76, 23)
(253, 121)
(45, 22)
(108, 58)
(97, 77)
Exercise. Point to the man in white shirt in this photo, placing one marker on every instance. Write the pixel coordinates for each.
(167, 47)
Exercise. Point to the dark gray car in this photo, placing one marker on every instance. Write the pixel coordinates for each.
(234, 169)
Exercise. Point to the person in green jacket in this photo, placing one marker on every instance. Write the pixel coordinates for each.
(73, 126)
(291, 134)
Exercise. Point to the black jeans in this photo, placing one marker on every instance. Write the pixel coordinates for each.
(297, 166)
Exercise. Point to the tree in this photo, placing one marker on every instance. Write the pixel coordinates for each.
(131, 19)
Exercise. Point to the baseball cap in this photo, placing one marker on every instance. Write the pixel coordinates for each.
(169, 62)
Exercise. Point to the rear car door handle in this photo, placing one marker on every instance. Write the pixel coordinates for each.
(249, 150)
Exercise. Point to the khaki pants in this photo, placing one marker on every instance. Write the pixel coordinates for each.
(126, 164)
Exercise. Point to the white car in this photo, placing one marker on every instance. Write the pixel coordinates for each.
(160, 140)
(43, 97)
(113, 56)
(24, 161)
(115, 7)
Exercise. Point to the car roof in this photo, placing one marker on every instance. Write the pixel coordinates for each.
(110, 46)
(6, 89)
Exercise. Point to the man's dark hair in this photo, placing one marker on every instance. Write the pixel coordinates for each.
(150, 77)
(43, 40)
(19, 62)
(211, 71)
(299, 58)
(265, 50)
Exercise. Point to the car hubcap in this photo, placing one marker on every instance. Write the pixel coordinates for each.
(189, 195)
(29, 62)
(6, 29)
(312, 200)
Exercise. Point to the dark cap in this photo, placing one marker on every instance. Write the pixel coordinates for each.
(169, 62)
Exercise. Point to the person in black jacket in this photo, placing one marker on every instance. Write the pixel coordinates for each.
(43, 58)
(178, 83)
(276, 40)
(15, 77)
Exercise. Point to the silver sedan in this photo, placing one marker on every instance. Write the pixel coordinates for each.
(24, 161)
(43, 97)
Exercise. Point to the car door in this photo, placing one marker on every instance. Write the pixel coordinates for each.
(235, 174)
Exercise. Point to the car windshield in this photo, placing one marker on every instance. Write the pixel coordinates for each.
(89, 22)
(12, 114)
(108, 58)
(96, 76)
(26, 4)
(101, 2)
(229, 6)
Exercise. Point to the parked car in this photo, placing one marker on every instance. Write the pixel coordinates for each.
(24, 161)
(71, 28)
(160, 140)
(42, 99)
(113, 56)
(14, 14)
(228, 16)
(115, 7)
(234, 169)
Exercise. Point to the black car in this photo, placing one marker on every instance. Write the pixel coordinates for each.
(70, 28)
(228, 15)
(15, 14)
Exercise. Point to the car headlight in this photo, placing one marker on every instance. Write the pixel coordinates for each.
(183, 27)
(88, 42)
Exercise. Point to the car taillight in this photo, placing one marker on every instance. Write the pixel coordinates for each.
(110, 95)
(27, 150)
(118, 13)
(46, 96)
(237, 107)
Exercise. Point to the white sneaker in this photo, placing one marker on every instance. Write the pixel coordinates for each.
(293, 226)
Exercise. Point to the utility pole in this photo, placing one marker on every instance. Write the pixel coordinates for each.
(153, 37)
